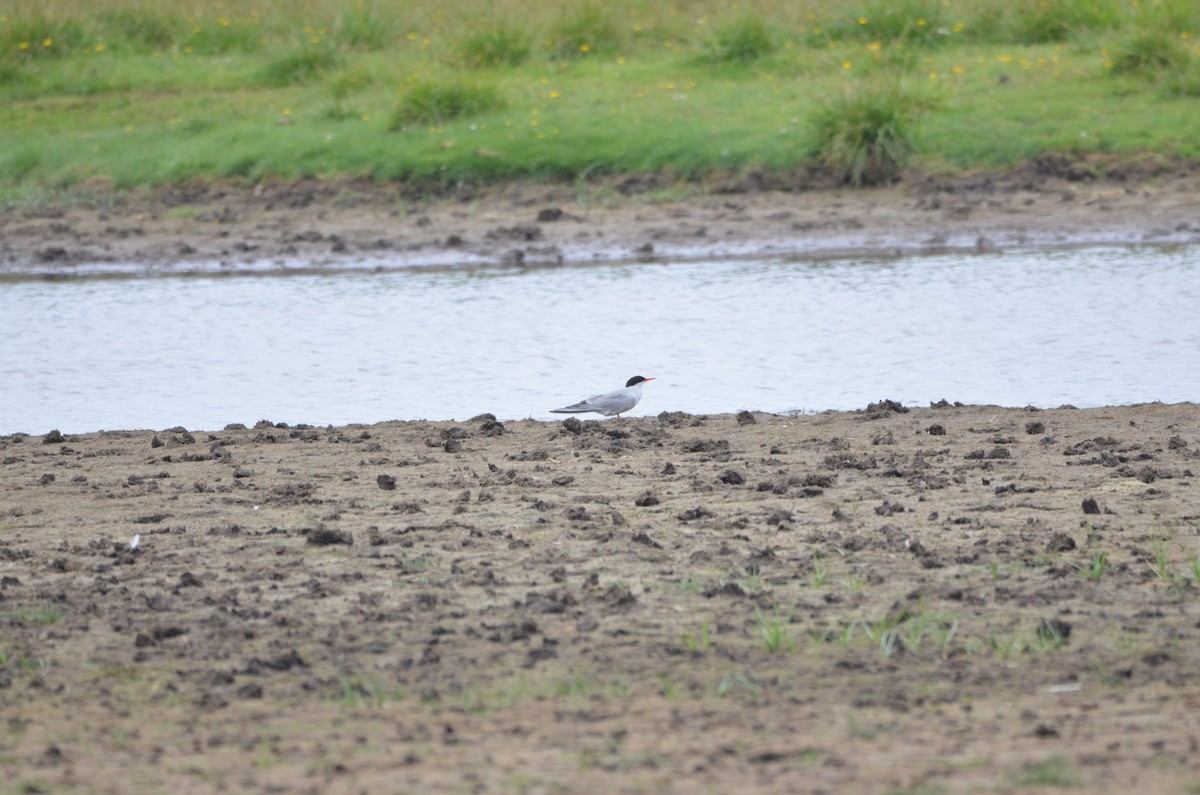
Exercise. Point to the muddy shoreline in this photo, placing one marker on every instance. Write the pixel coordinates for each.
(947, 599)
(357, 225)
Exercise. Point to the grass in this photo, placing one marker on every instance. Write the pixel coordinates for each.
(773, 630)
(820, 572)
(867, 134)
(42, 615)
(433, 93)
(700, 641)
(302, 65)
(1095, 568)
(435, 102)
(742, 40)
(1055, 771)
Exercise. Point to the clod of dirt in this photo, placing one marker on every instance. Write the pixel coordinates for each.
(452, 446)
(642, 538)
(520, 232)
(728, 589)
(883, 408)
(386, 482)
(323, 536)
(936, 430)
(779, 517)
(1034, 427)
(492, 428)
(1176, 443)
(1060, 542)
(618, 595)
(52, 254)
(549, 214)
(699, 512)
(54, 437)
(46, 479)
(573, 425)
(668, 469)
(563, 480)
(165, 633)
(1091, 506)
(745, 418)
(889, 508)
(579, 514)
(188, 580)
(284, 662)
(732, 477)
(850, 462)
(999, 452)
(646, 499)
(678, 419)
(707, 446)
(250, 690)
(1053, 630)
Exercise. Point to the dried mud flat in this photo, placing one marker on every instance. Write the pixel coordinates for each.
(329, 225)
(873, 601)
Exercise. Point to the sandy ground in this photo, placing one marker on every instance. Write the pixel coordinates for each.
(950, 599)
(308, 226)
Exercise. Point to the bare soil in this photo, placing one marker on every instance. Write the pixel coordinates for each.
(343, 224)
(886, 600)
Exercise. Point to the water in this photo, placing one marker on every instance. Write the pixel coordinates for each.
(1086, 327)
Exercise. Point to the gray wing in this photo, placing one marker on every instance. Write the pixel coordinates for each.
(616, 402)
(575, 408)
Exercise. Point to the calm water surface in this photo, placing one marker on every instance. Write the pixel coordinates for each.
(1086, 327)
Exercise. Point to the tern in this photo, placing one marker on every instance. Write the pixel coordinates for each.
(615, 402)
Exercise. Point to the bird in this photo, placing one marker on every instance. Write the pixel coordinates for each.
(615, 402)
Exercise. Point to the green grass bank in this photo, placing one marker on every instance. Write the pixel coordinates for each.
(141, 94)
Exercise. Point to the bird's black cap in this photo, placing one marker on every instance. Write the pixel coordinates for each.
(637, 379)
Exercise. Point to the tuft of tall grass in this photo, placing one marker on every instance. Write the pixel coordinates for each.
(1179, 83)
(498, 46)
(1148, 51)
(913, 22)
(867, 134)
(143, 30)
(10, 72)
(362, 26)
(743, 40)
(588, 31)
(40, 36)
(1044, 21)
(439, 101)
(301, 65)
(224, 35)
